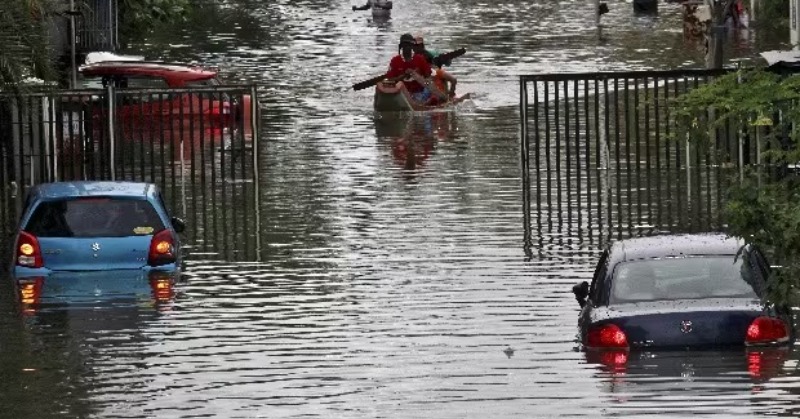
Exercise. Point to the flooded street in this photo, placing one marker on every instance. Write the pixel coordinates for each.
(387, 275)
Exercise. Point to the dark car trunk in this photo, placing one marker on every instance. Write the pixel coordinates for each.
(683, 323)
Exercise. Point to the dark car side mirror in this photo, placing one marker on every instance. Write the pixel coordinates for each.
(178, 225)
(581, 291)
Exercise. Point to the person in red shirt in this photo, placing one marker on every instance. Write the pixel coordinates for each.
(415, 66)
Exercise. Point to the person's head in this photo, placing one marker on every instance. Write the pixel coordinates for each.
(419, 44)
(407, 45)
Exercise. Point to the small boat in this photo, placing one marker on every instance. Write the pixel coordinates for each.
(393, 97)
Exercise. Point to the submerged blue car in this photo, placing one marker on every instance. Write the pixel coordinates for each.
(89, 226)
(680, 291)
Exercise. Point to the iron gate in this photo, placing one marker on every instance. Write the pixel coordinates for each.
(601, 157)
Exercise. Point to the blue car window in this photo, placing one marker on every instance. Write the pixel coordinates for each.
(682, 278)
(95, 217)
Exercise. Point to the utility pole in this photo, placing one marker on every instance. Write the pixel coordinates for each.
(794, 22)
(73, 80)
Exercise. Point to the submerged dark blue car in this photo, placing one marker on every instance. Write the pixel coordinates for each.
(680, 291)
(90, 226)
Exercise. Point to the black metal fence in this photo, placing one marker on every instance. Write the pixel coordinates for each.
(601, 157)
(200, 145)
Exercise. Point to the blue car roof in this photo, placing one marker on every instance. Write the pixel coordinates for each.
(81, 189)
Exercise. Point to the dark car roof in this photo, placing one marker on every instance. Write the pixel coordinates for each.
(675, 245)
(148, 68)
(92, 188)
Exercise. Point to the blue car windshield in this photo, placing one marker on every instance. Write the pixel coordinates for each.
(682, 278)
(94, 217)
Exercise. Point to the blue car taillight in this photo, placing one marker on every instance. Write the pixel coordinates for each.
(162, 249)
(28, 252)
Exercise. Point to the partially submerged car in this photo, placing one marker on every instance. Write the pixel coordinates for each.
(91, 226)
(680, 291)
(147, 106)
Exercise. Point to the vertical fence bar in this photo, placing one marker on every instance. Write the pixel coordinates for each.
(537, 152)
(647, 150)
(618, 151)
(557, 124)
(588, 141)
(607, 146)
(524, 160)
(637, 150)
(567, 159)
(112, 113)
(679, 192)
(255, 122)
(628, 174)
(578, 171)
(548, 172)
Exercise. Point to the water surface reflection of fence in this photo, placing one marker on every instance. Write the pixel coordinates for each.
(602, 158)
(199, 145)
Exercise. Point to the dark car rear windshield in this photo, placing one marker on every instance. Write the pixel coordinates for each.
(682, 278)
(96, 217)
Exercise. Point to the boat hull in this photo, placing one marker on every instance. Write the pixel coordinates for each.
(395, 98)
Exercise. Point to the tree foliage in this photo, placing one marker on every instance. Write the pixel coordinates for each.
(762, 205)
(139, 17)
(23, 36)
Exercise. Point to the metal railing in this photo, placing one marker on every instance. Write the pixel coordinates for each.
(200, 145)
(601, 156)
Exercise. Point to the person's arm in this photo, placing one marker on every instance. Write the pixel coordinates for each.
(451, 81)
(421, 65)
(364, 7)
(395, 69)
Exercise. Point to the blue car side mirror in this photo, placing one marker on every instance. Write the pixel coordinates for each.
(178, 225)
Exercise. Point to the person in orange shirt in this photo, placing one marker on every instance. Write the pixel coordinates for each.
(443, 81)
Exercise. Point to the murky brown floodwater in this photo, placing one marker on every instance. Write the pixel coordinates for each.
(390, 275)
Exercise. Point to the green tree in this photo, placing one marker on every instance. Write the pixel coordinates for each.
(139, 17)
(23, 36)
(25, 41)
(763, 205)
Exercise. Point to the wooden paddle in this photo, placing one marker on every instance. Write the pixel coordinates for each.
(377, 79)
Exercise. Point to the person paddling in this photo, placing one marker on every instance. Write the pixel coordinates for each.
(380, 8)
(443, 81)
(406, 62)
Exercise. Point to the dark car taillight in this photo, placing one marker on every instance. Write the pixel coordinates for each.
(162, 249)
(607, 336)
(28, 252)
(766, 330)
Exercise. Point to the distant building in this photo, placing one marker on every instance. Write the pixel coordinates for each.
(96, 27)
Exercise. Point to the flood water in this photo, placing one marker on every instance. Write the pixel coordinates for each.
(389, 278)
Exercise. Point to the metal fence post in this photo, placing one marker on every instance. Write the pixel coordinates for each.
(255, 124)
(112, 115)
(524, 159)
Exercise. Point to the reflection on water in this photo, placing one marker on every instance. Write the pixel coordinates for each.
(413, 137)
(384, 274)
(678, 382)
